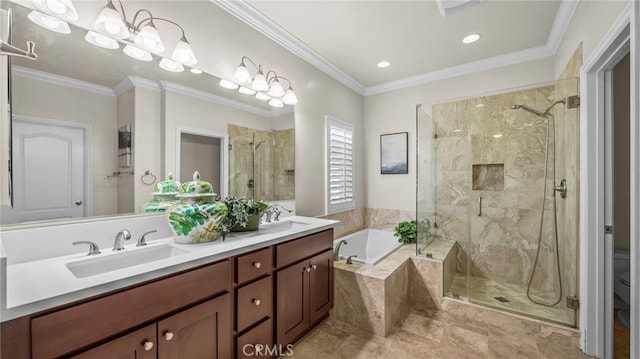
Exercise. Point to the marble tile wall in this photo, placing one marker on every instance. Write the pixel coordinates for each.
(274, 178)
(501, 242)
(350, 222)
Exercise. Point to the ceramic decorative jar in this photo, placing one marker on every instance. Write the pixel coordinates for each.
(164, 195)
(198, 217)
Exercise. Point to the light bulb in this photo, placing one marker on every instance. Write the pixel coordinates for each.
(246, 90)
(276, 89)
(259, 82)
(171, 65)
(101, 40)
(149, 39)
(137, 53)
(109, 22)
(242, 75)
(49, 22)
(290, 97)
(262, 96)
(183, 53)
(62, 9)
(56, 6)
(276, 103)
(228, 84)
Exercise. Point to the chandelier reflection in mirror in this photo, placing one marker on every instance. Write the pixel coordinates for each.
(140, 36)
(265, 87)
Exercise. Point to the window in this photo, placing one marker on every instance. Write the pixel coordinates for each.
(340, 172)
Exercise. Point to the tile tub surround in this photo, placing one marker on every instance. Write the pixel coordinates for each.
(375, 297)
(360, 218)
(38, 279)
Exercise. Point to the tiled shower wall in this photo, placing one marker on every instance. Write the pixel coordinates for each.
(499, 240)
(274, 178)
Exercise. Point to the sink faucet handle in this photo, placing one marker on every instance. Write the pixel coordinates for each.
(141, 240)
(93, 247)
(349, 259)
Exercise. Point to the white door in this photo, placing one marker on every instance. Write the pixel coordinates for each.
(48, 171)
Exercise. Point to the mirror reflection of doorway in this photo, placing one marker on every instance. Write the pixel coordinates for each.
(202, 153)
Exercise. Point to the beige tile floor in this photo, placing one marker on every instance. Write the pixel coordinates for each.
(457, 334)
(483, 291)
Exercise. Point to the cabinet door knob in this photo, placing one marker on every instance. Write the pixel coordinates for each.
(308, 270)
(257, 264)
(256, 302)
(147, 345)
(314, 266)
(168, 336)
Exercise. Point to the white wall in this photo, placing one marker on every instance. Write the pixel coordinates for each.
(147, 139)
(44, 99)
(396, 112)
(590, 22)
(4, 119)
(202, 154)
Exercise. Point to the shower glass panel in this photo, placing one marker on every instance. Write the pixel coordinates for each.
(426, 200)
(516, 237)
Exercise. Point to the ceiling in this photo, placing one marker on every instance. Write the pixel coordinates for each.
(349, 38)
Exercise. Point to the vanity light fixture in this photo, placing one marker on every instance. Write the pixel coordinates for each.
(142, 33)
(265, 87)
(49, 22)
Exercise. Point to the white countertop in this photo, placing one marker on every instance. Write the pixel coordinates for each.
(47, 283)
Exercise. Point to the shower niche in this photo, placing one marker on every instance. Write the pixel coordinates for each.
(488, 177)
(485, 178)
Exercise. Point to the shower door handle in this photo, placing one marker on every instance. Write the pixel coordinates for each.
(480, 206)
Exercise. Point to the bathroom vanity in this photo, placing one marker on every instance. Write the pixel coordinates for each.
(220, 300)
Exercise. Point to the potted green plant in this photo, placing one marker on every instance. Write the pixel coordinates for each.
(407, 231)
(243, 214)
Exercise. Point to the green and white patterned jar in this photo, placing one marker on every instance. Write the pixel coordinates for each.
(195, 223)
(164, 196)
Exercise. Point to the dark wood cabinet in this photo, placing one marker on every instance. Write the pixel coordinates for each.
(140, 344)
(304, 296)
(250, 305)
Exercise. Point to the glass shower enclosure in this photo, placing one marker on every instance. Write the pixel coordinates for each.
(497, 184)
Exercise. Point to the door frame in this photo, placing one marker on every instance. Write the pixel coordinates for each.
(224, 154)
(88, 150)
(596, 248)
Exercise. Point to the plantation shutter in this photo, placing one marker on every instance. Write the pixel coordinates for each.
(340, 166)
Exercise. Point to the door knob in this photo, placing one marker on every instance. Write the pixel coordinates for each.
(256, 302)
(168, 336)
(314, 266)
(147, 345)
(257, 264)
(79, 202)
(308, 270)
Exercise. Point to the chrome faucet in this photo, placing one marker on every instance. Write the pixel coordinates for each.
(123, 235)
(141, 240)
(336, 250)
(93, 247)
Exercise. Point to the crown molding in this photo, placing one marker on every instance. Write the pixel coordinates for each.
(22, 71)
(517, 57)
(267, 27)
(130, 82)
(270, 29)
(206, 96)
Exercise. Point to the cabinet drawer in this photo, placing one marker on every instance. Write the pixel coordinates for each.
(81, 325)
(298, 249)
(255, 264)
(253, 302)
(254, 343)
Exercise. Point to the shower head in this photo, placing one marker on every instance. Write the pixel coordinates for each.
(528, 109)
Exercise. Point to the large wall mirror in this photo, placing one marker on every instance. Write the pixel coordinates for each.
(78, 104)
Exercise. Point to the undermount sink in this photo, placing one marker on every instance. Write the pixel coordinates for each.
(98, 265)
(268, 228)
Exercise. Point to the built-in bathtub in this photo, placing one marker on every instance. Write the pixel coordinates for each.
(369, 245)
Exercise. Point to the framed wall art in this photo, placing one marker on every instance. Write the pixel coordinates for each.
(394, 153)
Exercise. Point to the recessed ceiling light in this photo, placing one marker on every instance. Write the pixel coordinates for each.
(195, 71)
(470, 39)
(383, 64)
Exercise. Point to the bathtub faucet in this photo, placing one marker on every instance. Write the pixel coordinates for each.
(336, 250)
